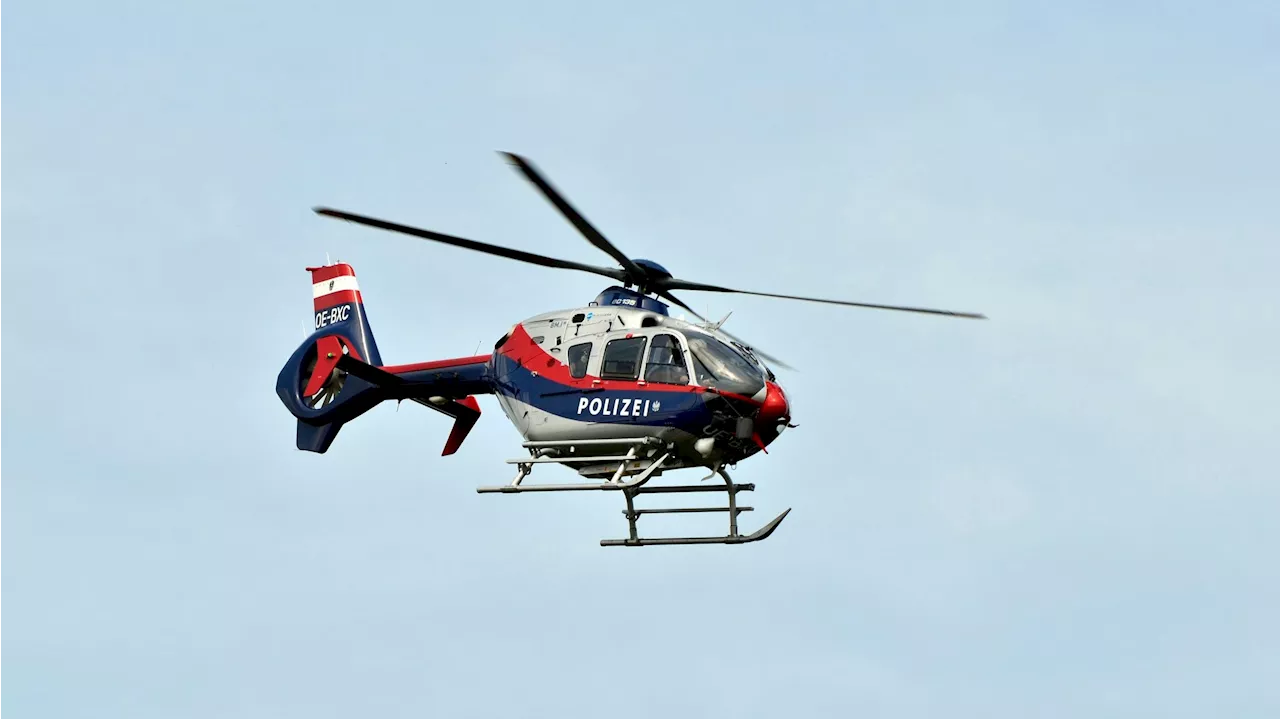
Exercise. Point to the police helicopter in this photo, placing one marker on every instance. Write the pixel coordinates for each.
(619, 391)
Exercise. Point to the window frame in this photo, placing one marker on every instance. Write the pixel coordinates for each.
(695, 362)
(640, 363)
(684, 354)
(586, 366)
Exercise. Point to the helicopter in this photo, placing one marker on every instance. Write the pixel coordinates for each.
(618, 390)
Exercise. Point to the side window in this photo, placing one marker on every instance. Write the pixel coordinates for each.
(578, 358)
(622, 359)
(666, 362)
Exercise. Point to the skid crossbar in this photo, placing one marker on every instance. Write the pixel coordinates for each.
(554, 452)
(733, 510)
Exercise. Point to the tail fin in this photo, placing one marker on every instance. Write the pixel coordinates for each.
(339, 310)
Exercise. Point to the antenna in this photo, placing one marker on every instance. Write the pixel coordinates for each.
(327, 263)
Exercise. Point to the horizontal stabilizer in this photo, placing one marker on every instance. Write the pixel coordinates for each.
(465, 411)
(468, 412)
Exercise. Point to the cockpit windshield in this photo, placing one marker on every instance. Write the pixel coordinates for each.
(718, 365)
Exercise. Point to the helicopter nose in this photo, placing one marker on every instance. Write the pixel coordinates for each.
(774, 414)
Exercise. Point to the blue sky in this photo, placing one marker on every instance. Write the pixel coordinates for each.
(1066, 511)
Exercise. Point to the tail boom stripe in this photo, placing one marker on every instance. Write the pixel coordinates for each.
(436, 364)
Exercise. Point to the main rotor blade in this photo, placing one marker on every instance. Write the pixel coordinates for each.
(675, 284)
(486, 248)
(757, 351)
(572, 215)
(763, 355)
(676, 301)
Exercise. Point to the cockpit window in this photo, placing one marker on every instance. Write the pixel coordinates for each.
(751, 355)
(666, 362)
(718, 365)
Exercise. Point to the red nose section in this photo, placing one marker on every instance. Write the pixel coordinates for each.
(773, 415)
(775, 405)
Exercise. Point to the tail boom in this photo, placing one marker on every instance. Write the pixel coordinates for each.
(446, 386)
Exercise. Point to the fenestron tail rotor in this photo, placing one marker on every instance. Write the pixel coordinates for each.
(328, 391)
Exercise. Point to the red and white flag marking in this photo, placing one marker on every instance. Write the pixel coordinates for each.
(334, 285)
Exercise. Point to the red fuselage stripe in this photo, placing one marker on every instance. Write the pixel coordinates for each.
(521, 348)
(437, 364)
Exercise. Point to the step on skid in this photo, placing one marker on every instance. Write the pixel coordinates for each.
(640, 450)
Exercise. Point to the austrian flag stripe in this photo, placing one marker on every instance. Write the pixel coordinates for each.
(335, 291)
(337, 284)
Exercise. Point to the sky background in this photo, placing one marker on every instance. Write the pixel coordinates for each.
(1066, 511)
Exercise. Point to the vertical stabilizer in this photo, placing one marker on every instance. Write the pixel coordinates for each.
(339, 309)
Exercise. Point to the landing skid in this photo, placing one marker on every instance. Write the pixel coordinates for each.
(567, 453)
